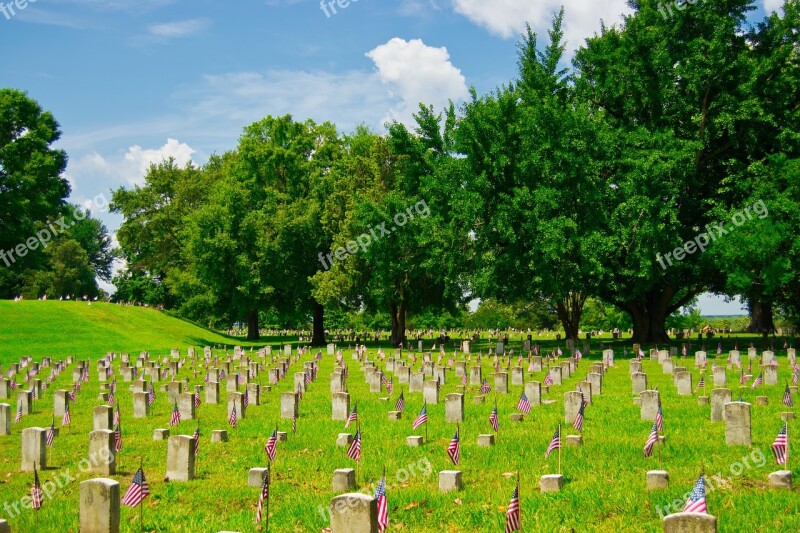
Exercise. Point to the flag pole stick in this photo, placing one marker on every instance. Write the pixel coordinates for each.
(519, 500)
(559, 448)
(266, 515)
(141, 503)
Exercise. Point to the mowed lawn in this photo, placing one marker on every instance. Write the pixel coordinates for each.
(605, 486)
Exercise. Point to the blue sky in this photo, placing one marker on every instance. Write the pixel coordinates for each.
(132, 82)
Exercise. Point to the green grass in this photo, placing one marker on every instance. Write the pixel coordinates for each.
(605, 479)
(48, 328)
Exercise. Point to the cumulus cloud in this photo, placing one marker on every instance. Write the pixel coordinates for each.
(416, 73)
(507, 18)
(772, 5)
(130, 169)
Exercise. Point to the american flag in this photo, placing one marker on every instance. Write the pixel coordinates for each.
(353, 416)
(660, 418)
(19, 414)
(485, 388)
(422, 418)
(37, 496)
(51, 432)
(702, 383)
(246, 400)
(401, 403)
(464, 378)
(151, 394)
(197, 398)
(513, 520)
(354, 452)
(196, 437)
(137, 491)
(555, 443)
(578, 424)
(743, 378)
(175, 419)
(719, 348)
(697, 499)
(794, 378)
(232, 418)
(548, 380)
(271, 445)
(117, 438)
(264, 496)
(758, 381)
(390, 386)
(651, 441)
(307, 378)
(116, 416)
(530, 366)
(524, 406)
(454, 449)
(383, 505)
(294, 425)
(787, 397)
(65, 421)
(494, 419)
(780, 448)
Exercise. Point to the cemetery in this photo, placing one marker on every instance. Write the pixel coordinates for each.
(204, 467)
(471, 266)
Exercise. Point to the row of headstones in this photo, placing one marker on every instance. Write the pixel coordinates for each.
(102, 459)
(454, 402)
(6, 389)
(354, 512)
(736, 415)
(683, 379)
(415, 380)
(141, 405)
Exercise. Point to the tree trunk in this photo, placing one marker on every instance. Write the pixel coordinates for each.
(649, 315)
(569, 312)
(398, 316)
(252, 326)
(318, 337)
(761, 319)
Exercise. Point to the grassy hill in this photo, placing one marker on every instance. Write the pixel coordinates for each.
(53, 328)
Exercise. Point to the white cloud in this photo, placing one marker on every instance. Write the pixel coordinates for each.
(772, 5)
(130, 169)
(414, 73)
(507, 18)
(179, 29)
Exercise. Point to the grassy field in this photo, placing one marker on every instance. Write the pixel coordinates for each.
(605, 479)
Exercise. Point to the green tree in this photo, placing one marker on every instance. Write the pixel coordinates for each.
(32, 190)
(760, 256)
(255, 243)
(536, 162)
(151, 236)
(675, 93)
